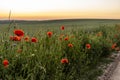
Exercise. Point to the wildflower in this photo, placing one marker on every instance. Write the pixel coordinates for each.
(66, 38)
(19, 50)
(114, 45)
(34, 40)
(32, 55)
(61, 37)
(1, 57)
(99, 34)
(64, 60)
(26, 39)
(88, 46)
(15, 38)
(49, 34)
(5, 63)
(72, 36)
(70, 45)
(62, 27)
(19, 32)
(35, 50)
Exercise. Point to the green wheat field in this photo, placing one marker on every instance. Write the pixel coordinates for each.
(61, 49)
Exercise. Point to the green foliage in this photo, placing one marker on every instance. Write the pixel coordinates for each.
(42, 60)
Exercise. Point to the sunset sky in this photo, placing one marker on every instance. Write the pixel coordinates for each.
(59, 9)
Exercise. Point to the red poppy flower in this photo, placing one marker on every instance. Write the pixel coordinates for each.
(15, 38)
(19, 32)
(70, 45)
(34, 40)
(114, 45)
(49, 34)
(64, 60)
(88, 46)
(5, 63)
(62, 27)
(26, 38)
(66, 38)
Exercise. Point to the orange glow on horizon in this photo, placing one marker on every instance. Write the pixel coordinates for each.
(59, 9)
(61, 15)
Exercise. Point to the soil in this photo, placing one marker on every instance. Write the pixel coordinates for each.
(112, 70)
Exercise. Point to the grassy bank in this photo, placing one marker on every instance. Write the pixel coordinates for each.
(71, 52)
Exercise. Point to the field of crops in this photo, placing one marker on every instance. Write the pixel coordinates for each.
(56, 50)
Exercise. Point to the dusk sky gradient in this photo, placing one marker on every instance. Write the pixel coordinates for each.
(59, 9)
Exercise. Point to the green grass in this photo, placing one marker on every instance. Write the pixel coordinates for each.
(42, 60)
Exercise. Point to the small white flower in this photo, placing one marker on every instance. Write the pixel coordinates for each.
(35, 50)
(32, 54)
(1, 57)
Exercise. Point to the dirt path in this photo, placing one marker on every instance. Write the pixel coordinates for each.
(113, 69)
(116, 73)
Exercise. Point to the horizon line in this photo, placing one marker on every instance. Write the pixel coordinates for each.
(59, 19)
